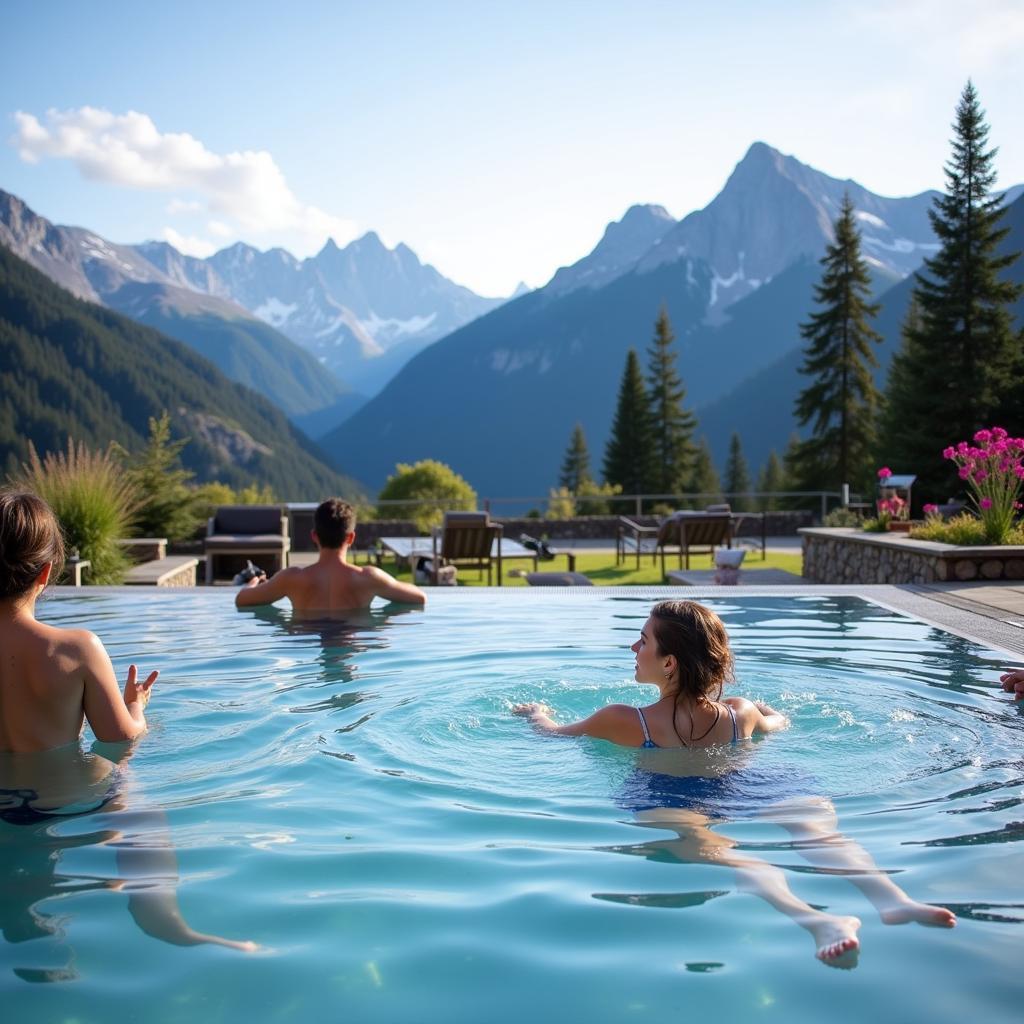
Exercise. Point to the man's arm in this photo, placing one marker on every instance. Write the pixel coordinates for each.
(386, 586)
(263, 591)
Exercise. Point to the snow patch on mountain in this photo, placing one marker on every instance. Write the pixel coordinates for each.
(275, 312)
(386, 330)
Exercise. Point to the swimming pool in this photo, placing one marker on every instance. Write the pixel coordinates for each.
(357, 798)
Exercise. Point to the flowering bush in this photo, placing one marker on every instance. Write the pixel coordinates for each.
(892, 506)
(993, 469)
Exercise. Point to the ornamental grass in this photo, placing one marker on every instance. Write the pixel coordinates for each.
(94, 500)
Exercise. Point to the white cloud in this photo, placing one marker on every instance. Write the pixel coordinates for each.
(246, 188)
(181, 206)
(982, 35)
(220, 229)
(190, 245)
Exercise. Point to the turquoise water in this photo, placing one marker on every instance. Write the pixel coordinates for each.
(357, 799)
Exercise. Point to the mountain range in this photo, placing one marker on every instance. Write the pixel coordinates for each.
(497, 399)
(495, 388)
(70, 368)
(315, 336)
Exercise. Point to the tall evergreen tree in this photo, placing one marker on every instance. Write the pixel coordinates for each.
(841, 401)
(673, 425)
(628, 456)
(737, 475)
(576, 463)
(772, 478)
(704, 477)
(960, 365)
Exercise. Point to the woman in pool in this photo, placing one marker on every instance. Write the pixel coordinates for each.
(51, 681)
(684, 650)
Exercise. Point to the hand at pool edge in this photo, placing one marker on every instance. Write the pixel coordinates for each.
(1013, 682)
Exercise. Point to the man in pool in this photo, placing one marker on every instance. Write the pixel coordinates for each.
(331, 583)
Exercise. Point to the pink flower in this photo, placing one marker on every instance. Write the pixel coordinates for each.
(884, 472)
(964, 472)
(985, 503)
(948, 453)
(930, 509)
(979, 475)
(982, 436)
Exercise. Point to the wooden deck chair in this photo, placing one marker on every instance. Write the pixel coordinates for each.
(469, 540)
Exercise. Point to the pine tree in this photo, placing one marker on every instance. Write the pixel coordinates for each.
(841, 402)
(704, 478)
(576, 463)
(960, 365)
(737, 475)
(772, 478)
(628, 456)
(166, 503)
(673, 425)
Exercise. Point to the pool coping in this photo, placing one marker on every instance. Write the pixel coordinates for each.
(988, 625)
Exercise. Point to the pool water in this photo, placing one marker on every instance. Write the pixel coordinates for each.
(357, 798)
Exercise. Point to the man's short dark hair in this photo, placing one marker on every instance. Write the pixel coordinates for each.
(333, 521)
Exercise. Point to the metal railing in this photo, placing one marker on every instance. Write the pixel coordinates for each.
(620, 504)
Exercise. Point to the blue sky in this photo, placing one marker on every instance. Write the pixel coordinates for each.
(495, 139)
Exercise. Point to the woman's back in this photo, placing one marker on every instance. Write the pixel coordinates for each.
(42, 686)
(709, 724)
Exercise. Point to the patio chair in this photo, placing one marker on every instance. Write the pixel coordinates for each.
(469, 540)
(259, 531)
(680, 533)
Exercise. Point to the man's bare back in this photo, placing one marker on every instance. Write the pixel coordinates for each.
(330, 584)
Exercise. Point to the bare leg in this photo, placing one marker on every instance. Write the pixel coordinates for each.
(813, 823)
(835, 937)
(148, 869)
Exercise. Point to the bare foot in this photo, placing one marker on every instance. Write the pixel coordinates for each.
(243, 947)
(922, 913)
(838, 945)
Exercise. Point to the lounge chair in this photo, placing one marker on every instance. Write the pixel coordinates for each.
(259, 531)
(680, 533)
(469, 540)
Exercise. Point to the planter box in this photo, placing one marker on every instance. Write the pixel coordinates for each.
(842, 555)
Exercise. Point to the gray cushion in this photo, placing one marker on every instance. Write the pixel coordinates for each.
(247, 519)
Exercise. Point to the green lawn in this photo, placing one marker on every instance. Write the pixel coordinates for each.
(603, 571)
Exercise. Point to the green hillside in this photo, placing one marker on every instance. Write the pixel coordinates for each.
(243, 348)
(68, 367)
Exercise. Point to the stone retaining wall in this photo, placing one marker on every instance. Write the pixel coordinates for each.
(852, 556)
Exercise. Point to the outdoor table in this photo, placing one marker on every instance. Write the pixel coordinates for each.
(405, 549)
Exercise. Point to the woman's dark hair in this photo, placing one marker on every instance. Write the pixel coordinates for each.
(695, 636)
(30, 536)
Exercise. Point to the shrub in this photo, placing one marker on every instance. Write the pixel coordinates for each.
(427, 489)
(94, 499)
(842, 516)
(206, 498)
(962, 530)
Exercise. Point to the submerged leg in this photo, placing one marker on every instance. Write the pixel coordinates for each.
(148, 869)
(835, 936)
(813, 823)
